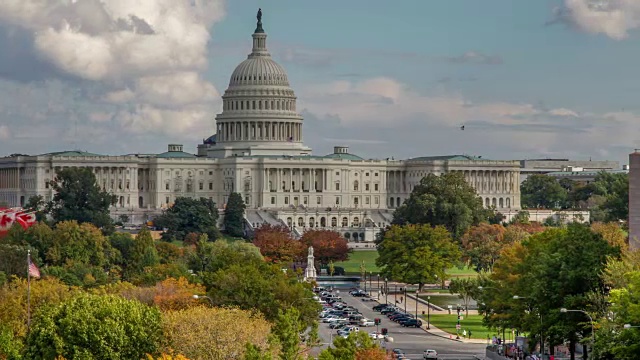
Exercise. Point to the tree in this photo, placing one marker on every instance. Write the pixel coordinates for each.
(37, 204)
(10, 346)
(277, 245)
(416, 254)
(123, 218)
(214, 333)
(78, 197)
(287, 330)
(482, 244)
(234, 215)
(354, 347)
(327, 245)
(466, 289)
(446, 200)
(189, 216)
(92, 326)
(611, 233)
(176, 294)
(615, 190)
(143, 253)
(542, 191)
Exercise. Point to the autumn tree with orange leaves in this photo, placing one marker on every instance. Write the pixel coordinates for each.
(327, 245)
(277, 245)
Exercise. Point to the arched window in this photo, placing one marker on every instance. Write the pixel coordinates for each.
(334, 221)
(300, 221)
(355, 185)
(355, 222)
(312, 222)
(494, 202)
(355, 236)
(289, 221)
(501, 202)
(323, 222)
(345, 221)
(487, 203)
(140, 202)
(509, 202)
(398, 201)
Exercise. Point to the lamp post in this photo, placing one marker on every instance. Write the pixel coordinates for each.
(395, 294)
(429, 312)
(405, 300)
(417, 292)
(386, 291)
(365, 281)
(203, 297)
(629, 326)
(593, 333)
(458, 325)
(370, 275)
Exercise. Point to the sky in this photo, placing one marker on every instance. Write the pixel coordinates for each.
(527, 79)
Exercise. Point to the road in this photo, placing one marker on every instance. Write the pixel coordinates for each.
(413, 341)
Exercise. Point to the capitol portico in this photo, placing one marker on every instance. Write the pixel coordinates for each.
(258, 151)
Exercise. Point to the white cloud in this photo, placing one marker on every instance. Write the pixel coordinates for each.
(384, 109)
(142, 60)
(613, 18)
(4, 132)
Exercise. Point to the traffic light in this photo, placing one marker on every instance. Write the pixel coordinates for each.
(384, 331)
(376, 321)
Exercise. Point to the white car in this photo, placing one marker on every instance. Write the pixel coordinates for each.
(367, 322)
(376, 335)
(430, 354)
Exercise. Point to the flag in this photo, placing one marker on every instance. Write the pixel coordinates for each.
(33, 270)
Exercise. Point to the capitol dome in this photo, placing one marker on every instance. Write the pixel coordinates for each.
(259, 70)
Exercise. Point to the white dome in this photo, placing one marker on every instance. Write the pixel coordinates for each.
(259, 70)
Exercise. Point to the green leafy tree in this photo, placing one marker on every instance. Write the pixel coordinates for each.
(189, 216)
(95, 327)
(466, 289)
(446, 200)
(10, 346)
(234, 215)
(416, 254)
(614, 187)
(37, 204)
(542, 191)
(78, 197)
(144, 253)
(287, 329)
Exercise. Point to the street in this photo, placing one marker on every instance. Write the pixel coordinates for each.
(412, 341)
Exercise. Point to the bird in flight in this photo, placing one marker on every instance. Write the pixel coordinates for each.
(462, 127)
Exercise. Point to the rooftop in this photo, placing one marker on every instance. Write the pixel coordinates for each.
(71, 153)
(447, 158)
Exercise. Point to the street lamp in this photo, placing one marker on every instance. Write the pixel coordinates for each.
(629, 326)
(405, 299)
(593, 333)
(428, 312)
(386, 291)
(417, 292)
(195, 296)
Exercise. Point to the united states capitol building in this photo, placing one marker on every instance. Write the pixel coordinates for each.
(258, 151)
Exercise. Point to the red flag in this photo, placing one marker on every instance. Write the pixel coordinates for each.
(33, 270)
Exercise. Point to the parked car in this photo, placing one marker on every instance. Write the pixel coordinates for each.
(411, 323)
(367, 322)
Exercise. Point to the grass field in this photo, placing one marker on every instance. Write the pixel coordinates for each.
(352, 266)
(446, 322)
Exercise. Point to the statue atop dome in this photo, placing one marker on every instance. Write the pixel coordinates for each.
(259, 28)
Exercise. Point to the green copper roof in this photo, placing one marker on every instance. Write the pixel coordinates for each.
(447, 158)
(175, 155)
(343, 156)
(72, 153)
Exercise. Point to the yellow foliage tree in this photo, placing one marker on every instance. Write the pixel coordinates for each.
(612, 233)
(13, 300)
(176, 294)
(167, 357)
(206, 333)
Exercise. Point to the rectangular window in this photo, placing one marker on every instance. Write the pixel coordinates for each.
(273, 200)
(200, 186)
(337, 173)
(246, 200)
(166, 186)
(376, 174)
(318, 200)
(376, 200)
(366, 187)
(286, 201)
(305, 200)
(46, 184)
(375, 187)
(367, 174)
(337, 200)
(367, 200)
(166, 200)
(210, 172)
(210, 186)
(201, 173)
(337, 186)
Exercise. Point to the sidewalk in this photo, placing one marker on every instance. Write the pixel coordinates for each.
(411, 309)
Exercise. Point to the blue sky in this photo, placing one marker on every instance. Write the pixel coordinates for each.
(554, 78)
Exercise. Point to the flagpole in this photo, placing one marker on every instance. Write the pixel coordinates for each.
(28, 290)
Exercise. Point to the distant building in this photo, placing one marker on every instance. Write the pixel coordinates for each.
(544, 166)
(634, 199)
(584, 176)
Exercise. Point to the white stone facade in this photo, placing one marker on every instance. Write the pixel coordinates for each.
(258, 152)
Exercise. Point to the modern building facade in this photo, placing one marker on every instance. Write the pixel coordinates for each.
(634, 200)
(545, 166)
(258, 151)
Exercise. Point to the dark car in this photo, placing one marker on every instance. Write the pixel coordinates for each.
(411, 323)
(380, 307)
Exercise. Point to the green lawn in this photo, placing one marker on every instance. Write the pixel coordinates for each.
(446, 322)
(352, 266)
